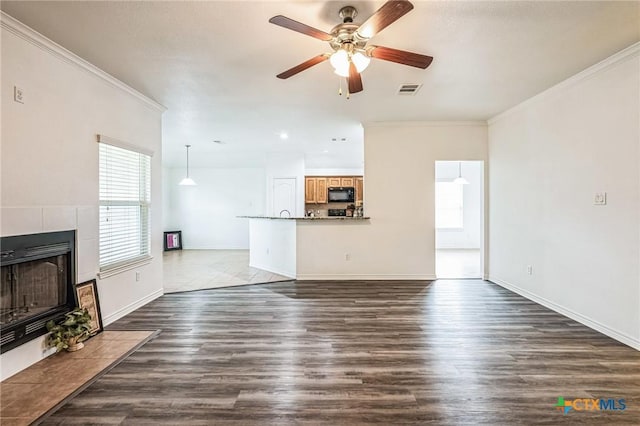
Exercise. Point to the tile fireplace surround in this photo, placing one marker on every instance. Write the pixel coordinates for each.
(34, 220)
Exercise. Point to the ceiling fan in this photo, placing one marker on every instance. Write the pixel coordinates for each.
(351, 55)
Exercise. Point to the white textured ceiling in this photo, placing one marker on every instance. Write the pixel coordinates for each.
(213, 65)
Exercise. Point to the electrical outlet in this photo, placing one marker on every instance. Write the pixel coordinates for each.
(600, 199)
(529, 270)
(137, 276)
(347, 256)
(18, 94)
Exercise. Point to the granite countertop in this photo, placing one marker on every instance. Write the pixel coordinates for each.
(346, 218)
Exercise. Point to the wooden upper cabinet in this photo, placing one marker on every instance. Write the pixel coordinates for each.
(310, 190)
(333, 182)
(346, 181)
(359, 189)
(316, 187)
(321, 191)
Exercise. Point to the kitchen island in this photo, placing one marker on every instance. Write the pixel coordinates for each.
(289, 245)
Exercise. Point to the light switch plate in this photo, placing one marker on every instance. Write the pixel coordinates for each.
(600, 199)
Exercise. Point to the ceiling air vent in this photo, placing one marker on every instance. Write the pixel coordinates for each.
(409, 89)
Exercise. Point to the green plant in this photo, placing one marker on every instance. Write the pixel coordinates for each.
(73, 328)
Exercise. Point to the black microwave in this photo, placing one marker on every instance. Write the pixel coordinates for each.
(342, 195)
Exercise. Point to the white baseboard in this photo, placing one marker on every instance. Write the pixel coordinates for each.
(287, 274)
(591, 323)
(131, 307)
(365, 277)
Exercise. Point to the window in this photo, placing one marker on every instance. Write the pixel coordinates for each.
(125, 199)
(449, 205)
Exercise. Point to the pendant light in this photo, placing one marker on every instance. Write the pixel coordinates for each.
(460, 180)
(187, 181)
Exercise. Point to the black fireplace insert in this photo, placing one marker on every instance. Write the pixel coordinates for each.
(36, 284)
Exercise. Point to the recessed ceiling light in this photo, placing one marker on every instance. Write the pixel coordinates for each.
(343, 139)
(334, 140)
(284, 135)
(326, 151)
(219, 142)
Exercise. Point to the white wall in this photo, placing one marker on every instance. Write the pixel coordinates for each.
(273, 246)
(169, 219)
(49, 175)
(335, 172)
(470, 236)
(549, 156)
(399, 240)
(207, 213)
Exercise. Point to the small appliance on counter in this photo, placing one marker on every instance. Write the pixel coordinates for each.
(350, 210)
(337, 212)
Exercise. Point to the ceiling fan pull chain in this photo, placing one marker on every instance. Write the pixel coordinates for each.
(339, 86)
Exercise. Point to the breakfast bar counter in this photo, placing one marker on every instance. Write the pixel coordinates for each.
(347, 218)
(285, 245)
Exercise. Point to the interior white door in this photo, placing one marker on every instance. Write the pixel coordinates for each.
(284, 197)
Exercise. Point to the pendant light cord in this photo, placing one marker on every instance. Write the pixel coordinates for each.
(188, 146)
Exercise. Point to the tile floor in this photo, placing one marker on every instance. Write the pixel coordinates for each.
(31, 393)
(458, 263)
(186, 270)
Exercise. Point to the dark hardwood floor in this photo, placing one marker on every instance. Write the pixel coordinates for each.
(447, 352)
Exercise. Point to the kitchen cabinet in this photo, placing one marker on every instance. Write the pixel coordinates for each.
(310, 190)
(316, 187)
(346, 182)
(321, 191)
(315, 190)
(359, 184)
(333, 182)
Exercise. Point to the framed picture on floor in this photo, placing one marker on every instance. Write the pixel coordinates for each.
(173, 240)
(87, 296)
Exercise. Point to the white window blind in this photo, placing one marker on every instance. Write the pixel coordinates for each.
(449, 205)
(125, 199)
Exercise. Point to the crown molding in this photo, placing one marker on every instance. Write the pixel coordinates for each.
(613, 60)
(423, 123)
(30, 35)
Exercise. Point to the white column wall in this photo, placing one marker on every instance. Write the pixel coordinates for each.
(399, 240)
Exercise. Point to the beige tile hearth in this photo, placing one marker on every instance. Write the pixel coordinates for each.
(28, 395)
(187, 270)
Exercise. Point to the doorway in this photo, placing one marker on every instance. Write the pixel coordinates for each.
(459, 219)
(284, 197)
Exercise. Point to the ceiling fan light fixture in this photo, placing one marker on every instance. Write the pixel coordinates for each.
(340, 62)
(360, 60)
(342, 72)
(351, 55)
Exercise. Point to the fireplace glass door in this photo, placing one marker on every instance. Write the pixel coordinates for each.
(34, 287)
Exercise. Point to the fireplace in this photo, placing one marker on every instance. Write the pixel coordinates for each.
(36, 284)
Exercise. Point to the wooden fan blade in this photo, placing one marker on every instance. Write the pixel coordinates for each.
(288, 23)
(354, 81)
(390, 12)
(303, 66)
(400, 56)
